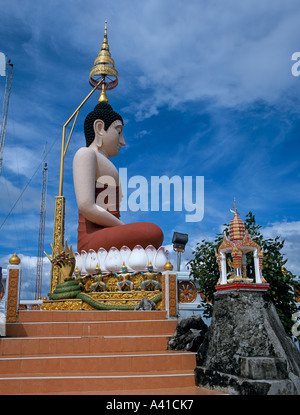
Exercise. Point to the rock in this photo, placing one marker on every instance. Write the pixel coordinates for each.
(146, 305)
(246, 350)
(189, 334)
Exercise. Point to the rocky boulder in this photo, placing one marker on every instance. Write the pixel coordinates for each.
(189, 334)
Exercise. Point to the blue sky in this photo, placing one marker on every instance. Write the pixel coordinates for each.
(205, 89)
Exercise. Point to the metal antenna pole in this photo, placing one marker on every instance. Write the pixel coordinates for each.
(39, 271)
(7, 91)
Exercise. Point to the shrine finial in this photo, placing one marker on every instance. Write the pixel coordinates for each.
(234, 207)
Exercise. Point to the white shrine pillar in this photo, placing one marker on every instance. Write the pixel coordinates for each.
(223, 268)
(256, 267)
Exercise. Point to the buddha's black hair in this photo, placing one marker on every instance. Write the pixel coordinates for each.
(102, 111)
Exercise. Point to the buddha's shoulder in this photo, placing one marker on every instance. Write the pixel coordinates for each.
(85, 153)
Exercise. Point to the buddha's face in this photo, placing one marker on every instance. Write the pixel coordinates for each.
(109, 142)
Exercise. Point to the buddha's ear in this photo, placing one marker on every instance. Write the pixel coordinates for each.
(99, 129)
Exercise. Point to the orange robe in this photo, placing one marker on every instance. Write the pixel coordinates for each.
(93, 236)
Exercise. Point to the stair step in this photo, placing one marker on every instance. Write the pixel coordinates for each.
(96, 364)
(87, 315)
(103, 383)
(185, 392)
(93, 352)
(90, 328)
(84, 345)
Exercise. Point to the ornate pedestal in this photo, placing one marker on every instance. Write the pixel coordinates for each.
(106, 292)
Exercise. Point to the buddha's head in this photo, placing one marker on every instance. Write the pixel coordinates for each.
(102, 111)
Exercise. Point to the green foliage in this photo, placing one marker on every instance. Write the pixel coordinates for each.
(204, 268)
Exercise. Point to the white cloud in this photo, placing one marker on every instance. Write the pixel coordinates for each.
(28, 274)
(141, 134)
(10, 196)
(232, 53)
(21, 161)
(283, 229)
(290, 233)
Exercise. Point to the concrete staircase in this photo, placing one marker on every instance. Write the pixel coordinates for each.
(94, 352)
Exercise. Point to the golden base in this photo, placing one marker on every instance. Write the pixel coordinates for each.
(106, 300)
(239, 279)
(63, 305)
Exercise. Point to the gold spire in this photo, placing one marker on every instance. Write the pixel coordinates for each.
(234, 207)
(104, 66)
(236, 227)
(105, 41)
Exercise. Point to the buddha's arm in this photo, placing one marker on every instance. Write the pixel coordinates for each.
(84, 173)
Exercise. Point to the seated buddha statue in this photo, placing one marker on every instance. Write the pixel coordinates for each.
(98, 190)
